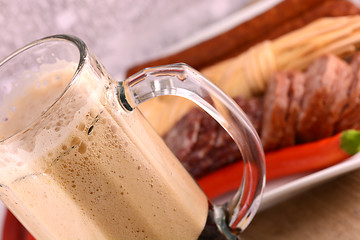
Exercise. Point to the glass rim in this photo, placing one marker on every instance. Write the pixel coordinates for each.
(83, 55)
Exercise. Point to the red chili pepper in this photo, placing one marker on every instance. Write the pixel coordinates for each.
(292, 160)
(13, 230)
(29, 237)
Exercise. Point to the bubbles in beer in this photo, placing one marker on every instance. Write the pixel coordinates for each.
(81, 126)
(82, 148)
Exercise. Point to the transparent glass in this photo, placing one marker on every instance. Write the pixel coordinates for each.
(79, 161)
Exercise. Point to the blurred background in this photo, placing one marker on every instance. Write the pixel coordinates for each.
(120, 33)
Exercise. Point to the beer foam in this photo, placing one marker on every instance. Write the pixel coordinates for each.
(33, 93)
(27, 119)
(39, 120)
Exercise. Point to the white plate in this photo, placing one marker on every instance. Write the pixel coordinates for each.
(277, 191)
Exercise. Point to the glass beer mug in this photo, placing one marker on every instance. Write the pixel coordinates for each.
(79, 161)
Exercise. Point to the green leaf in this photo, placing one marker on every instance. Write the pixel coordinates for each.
(350, 141)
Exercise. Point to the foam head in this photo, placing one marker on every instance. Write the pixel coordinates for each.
(21, 77)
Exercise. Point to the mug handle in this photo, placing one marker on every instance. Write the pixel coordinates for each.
(184, 81)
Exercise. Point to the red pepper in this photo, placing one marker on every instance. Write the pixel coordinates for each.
(292, 160)
(13, 230)
(29, 237)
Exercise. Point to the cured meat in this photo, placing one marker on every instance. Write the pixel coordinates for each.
(202, 145)
(296, 93)
(276, 102)
(297, 107)
(326, 87)
(282, 105)
(350, 117)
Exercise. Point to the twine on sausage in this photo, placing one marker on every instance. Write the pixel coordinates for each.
(248, 73)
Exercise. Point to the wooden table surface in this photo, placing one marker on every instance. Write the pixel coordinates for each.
(330, 211)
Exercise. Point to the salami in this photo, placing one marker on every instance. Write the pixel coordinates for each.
(202, 145)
